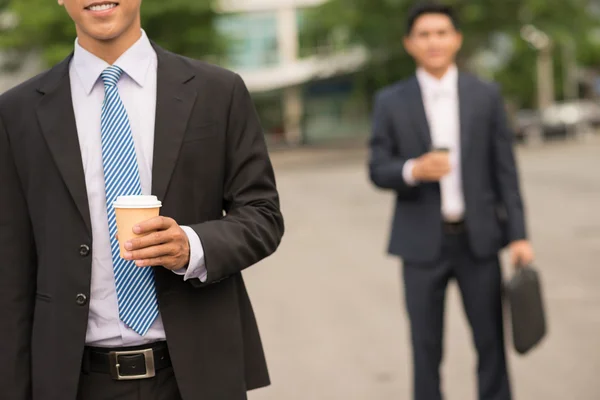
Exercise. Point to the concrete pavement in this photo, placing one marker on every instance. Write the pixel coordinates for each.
(330, 303)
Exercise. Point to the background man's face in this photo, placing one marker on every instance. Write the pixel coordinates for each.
(103, 20)
(433, 41)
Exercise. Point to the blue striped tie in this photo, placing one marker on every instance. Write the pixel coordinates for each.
(136, 293)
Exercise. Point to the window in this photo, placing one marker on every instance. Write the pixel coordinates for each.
(252, 40)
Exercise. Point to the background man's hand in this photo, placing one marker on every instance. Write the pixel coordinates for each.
(431, 167)
(521, 253)
(164, 244)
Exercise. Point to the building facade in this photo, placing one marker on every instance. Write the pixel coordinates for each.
(302, 97)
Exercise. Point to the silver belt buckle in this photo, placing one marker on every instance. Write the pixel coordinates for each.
(115, 372)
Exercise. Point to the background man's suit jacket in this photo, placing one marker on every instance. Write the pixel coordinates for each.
(209, 156)
(494, 210)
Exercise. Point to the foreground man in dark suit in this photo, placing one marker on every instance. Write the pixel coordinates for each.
(194, 141)
(448, 218)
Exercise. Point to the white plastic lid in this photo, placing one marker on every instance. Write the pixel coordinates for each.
(137, 202)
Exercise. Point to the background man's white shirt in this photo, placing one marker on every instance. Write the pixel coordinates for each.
(441, 102)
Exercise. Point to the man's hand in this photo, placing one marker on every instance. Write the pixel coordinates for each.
(431, 167)
(164, 244)
(521, 253)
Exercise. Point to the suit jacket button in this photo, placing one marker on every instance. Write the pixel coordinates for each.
(84, 250)
(81, 299)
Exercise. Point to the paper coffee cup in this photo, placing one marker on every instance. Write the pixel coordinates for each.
(131, 210)
(443, 151)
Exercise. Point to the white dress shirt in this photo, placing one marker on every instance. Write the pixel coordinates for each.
(440, 98)
(137, 89)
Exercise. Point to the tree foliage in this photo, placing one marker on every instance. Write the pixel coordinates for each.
(380, 26)
(183, 26)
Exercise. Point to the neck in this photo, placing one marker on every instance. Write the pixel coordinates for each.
(438, 73)
(110, 50)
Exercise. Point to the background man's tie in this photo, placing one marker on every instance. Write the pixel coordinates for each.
(136, 293)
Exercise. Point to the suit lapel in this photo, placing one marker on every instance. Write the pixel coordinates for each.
(174, 102)
(57, 121)
(465, 97)
(417, 112)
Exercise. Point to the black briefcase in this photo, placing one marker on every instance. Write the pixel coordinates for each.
(527, 313)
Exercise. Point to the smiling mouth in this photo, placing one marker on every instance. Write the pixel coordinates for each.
(104, 6)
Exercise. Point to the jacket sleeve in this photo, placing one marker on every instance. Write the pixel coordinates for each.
(17, 279)
(252, 227)
(506, 173)
(385, 164)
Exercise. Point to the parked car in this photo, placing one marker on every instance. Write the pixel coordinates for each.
(524, 121)
(558, 120)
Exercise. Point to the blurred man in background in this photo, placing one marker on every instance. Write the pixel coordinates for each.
(171, 318)
(441, 142)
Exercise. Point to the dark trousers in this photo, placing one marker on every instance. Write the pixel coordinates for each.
(480, 284)
(99, 386)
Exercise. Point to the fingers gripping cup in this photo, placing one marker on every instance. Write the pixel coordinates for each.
(131, 210)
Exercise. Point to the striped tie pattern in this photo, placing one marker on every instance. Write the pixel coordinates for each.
(136, 292)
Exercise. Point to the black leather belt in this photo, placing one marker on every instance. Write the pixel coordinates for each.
(454, 228)
(127, 363)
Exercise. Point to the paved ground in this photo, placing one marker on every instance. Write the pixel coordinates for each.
(330, 304)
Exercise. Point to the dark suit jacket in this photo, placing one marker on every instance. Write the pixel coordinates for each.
(209, 157)
(494, 210)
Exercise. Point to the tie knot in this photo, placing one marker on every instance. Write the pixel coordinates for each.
(111, 75)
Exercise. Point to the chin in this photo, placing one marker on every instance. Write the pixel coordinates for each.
(438, 65)
(104, 34)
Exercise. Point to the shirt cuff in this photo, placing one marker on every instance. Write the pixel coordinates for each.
(407, 173)
(196, 268)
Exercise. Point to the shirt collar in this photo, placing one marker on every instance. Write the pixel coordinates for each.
(430, 84)
(135, 62)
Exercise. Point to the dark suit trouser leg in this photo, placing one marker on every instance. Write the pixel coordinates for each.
(480, 283)
(425, 291)
(97, 386)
